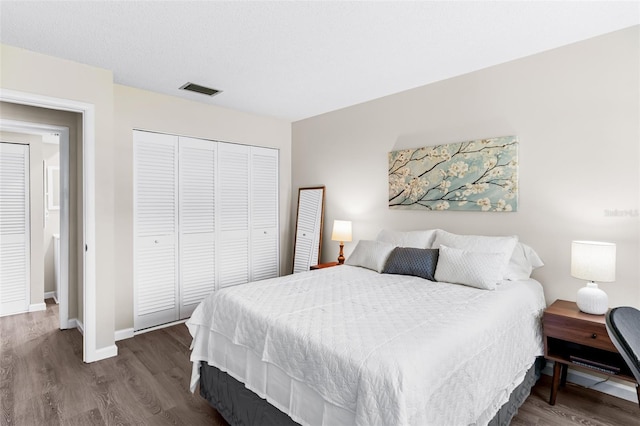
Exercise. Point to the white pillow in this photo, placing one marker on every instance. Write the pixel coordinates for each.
(475, 269)
(479, 244)
(415, 239)
(370, 255)
(522, 263)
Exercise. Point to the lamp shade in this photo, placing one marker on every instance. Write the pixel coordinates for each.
(593, 261)
(341, 230)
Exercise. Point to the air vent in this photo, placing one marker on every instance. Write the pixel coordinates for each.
(200, 89)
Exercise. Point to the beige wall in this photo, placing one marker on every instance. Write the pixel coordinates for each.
(576, 113)
(140, 109)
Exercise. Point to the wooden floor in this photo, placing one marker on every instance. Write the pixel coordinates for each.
(43, 381)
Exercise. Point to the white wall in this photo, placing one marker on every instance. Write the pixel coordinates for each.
(576, 113)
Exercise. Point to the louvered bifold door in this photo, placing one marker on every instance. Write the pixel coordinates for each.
(308, 229)
(197, 241)
(155, 229)
(233, 214)
(264, 214)
(14, 228)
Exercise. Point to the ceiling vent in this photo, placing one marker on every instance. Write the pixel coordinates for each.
(200, 89)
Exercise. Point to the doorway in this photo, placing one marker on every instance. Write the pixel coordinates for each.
(49, 145)
(87, 210)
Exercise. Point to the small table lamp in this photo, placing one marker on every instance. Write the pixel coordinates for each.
(593, 261)
(342, 233)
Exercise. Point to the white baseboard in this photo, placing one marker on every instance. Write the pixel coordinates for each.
(104, 353)
(35, 307)
(76, 323)
(125, 333)
(610, 387)
(51, 295)
(99, 354)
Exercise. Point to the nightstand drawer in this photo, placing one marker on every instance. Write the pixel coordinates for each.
(577, 331)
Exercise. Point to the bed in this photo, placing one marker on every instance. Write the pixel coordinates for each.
(362, 344)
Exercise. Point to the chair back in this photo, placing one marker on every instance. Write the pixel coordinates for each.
(623, 326)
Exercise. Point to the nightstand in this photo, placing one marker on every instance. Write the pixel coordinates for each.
(323, 265)
(573, 338)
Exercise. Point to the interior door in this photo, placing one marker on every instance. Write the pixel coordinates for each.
(265, 257)
(155, 229)
(14, 229)
(233, 213)
(197, 189)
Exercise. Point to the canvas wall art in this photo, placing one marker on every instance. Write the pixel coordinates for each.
(479, 175)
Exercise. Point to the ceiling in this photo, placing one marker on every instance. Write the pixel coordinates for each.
(296, 59)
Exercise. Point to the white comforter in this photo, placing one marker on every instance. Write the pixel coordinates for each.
(391, 349)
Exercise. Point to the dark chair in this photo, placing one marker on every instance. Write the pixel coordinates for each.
(623, 326)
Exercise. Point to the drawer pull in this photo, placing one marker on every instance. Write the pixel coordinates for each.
(594, 335)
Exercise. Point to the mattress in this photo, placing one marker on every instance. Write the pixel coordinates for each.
(347, 345)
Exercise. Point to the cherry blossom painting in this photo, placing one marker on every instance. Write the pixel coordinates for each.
(479, 175)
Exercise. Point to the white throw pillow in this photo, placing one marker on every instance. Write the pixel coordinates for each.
(370, 254)
(522, 263)
(479, 270)
(479, 244)
(414, 239)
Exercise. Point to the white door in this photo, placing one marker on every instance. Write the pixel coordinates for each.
(265, 257)
(197, 210)
(15, 248)
(155, 229)
(233, 214)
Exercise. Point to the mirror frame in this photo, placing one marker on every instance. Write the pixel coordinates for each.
(321, 230)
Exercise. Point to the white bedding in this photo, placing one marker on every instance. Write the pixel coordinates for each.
(346, 345)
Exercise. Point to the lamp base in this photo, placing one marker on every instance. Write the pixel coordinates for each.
(341, 255)
(591, 300)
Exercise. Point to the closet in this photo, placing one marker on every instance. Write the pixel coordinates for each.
(205, 217)
(14, 229)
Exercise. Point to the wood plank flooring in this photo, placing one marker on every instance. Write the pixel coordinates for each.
(43, 381)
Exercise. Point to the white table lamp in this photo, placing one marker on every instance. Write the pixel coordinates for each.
(593, 261)
(342, 233)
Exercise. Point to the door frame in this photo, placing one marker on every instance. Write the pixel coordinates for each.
(90, 350)
(41, 129)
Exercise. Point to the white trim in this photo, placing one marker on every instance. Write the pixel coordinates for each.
(35, 307)
(51, 295)
(63, 263)
(159, 327)
(76, 323)
(125, 333)
(106, 352)
(610, 387)
(90, 350)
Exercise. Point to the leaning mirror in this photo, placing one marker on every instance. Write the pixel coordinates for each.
(309, 222)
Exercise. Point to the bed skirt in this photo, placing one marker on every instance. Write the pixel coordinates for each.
(240, 406)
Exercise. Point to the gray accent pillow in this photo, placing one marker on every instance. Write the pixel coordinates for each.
(412, 261)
